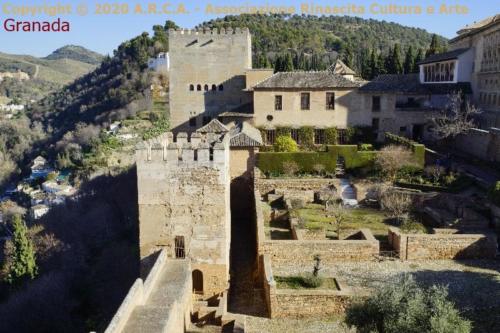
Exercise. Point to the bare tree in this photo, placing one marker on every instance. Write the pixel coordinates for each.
(339, 214)
(392, 158)
(457, 118)
(435, 172)
(398, 204)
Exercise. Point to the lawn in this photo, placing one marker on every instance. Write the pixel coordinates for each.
(300, 282)
(315, 217)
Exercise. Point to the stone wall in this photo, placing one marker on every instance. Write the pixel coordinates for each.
(209, 58)
(293, 303)
(242, 161)
(183, 193)
(482, 144)
(442, 245)
(177, 312)
(294, 252)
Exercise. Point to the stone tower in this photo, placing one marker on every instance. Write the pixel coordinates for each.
(183, 192)
(207, 74)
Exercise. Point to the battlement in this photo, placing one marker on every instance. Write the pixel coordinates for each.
(183, 150)
(207, 31)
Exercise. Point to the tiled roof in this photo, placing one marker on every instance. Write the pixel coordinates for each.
(410, 84)
(340, 68)
(214, 126)
(305, 80)
(245, 135)
(443, 56)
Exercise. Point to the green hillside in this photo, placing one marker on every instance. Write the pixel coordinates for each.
(77, 53)
(46, 74)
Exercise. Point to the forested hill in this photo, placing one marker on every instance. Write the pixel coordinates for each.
(77, 53)
(324, 36)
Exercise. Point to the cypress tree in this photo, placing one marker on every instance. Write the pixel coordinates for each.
(22, 262)
(434, 48)
(419, 58)
(397, 63)
(348, 57)
(409, 64)
(288, 63)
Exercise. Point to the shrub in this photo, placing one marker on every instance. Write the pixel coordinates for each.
(365, 147)
(290, 168)
(331, 136)
(311, 281)
(392, 158)
(403, 306)
(285, 144)
(397, 204)
(319, 168)
(413, 227)
(407, 172)
(306, 136)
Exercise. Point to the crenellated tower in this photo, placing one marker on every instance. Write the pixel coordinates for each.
(207, 74)
(183, 193)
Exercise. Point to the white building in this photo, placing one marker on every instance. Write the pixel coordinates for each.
(38, 211)
(161, 63)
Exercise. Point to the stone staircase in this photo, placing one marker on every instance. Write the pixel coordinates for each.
(340, 167)
(211, 316)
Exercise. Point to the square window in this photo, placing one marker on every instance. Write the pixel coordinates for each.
(402, 129)
(375, 124)
(270, 137)
(305, 99)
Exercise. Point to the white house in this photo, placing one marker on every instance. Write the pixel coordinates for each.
(159, 64)
(38, 211)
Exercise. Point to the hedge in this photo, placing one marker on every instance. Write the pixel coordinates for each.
(272, 162)
(458, 185)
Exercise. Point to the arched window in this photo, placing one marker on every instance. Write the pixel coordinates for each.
(198, 87)
(205, 87)
(197, 282)
(214, 87)
(191, 87)
(221, 87)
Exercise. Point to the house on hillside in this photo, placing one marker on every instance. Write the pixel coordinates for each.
(40, 168)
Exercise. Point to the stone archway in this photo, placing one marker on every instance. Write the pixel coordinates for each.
(197, 281)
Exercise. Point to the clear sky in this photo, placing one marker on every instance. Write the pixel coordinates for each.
(104, 32)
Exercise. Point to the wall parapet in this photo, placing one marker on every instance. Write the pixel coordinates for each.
(208, 31)
(183, 150)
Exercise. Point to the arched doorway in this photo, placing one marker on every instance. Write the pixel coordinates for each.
(197, 282)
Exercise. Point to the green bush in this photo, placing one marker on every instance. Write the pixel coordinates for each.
(331, 136)
(285, 144)
(306, 136)
(365, 147)
(403, 306)
(494, 193)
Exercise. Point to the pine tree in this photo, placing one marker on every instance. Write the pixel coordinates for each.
(22, 262)
(434, 48)
(365, 61)
(409, 64)
(397, 63)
